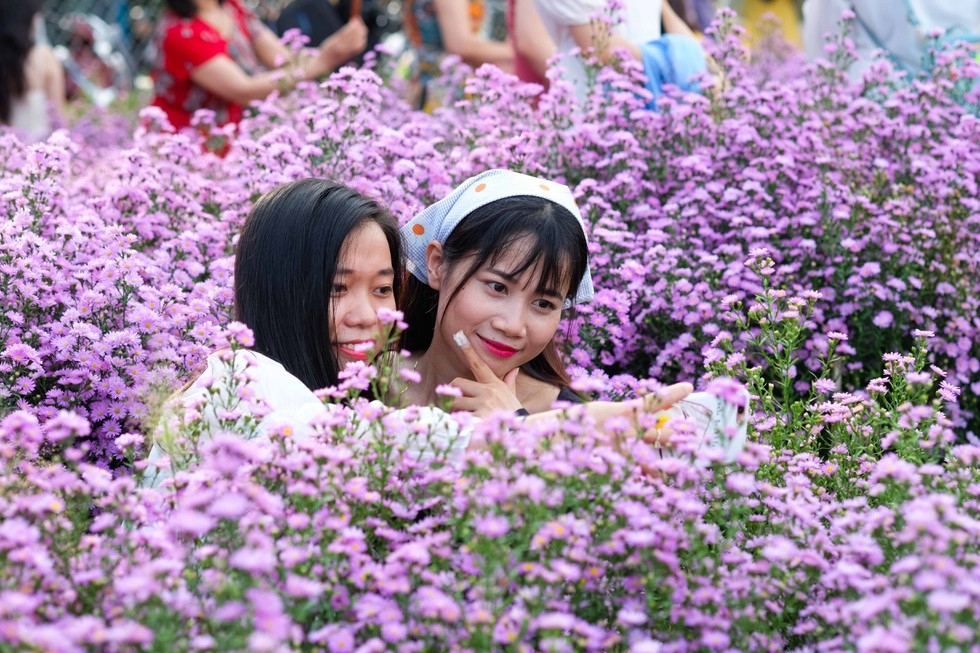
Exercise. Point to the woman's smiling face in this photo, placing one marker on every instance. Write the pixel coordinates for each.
(506, 316)
(363, 284)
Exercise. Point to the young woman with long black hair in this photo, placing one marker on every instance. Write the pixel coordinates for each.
(315, 264)
(32, 81)
(493, 265)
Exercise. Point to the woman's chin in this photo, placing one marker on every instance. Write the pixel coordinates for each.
(501, 368)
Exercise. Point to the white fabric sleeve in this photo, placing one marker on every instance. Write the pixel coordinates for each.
(570, 12)
(442, 433)
(279, 397)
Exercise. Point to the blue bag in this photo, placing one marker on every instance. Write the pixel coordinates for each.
(672, 59)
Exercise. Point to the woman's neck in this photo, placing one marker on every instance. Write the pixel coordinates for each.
(437, 366)
(213, 13)
(435, 370)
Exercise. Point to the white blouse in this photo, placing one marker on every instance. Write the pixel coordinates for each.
(279, 400)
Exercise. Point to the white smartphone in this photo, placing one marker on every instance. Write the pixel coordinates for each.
(720, 424)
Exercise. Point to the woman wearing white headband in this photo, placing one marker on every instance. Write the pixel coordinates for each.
(492, 266)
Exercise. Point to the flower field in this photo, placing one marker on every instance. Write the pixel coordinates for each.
(818, 241)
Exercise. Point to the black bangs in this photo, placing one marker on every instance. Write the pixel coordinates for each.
(553, 240)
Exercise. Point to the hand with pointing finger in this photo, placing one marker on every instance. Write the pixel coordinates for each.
(485, 392)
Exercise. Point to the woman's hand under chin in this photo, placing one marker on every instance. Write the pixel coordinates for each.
(485, 392)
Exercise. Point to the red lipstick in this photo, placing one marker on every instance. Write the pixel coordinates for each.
(498, 349)
(354, 350)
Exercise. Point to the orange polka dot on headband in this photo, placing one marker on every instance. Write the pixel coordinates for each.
(480, 188)
(418, 229)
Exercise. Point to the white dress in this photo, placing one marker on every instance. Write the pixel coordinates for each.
(29, 115)
(639, 23)
(282, 400)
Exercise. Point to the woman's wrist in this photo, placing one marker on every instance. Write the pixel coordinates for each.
(299, 74)
(288, 76)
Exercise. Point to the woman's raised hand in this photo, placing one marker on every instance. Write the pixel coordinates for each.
(350, 40)
(484, 393)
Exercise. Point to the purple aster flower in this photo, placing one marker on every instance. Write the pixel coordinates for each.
(492, 526)
(729, 391)
(946, 602)
(883, 319)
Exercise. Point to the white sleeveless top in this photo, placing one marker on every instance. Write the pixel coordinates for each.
(639, 23)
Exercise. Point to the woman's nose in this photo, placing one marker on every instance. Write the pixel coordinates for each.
(511, 320)
(362, 312)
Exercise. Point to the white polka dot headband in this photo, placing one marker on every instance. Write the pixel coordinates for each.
(436, 222)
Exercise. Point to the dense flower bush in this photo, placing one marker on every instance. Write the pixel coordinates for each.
(818, 240)
(549, 540)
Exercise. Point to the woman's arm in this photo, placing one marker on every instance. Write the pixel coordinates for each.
(458, 38)
(269, 50)
(53, 80)
(531, 39)
(673, 24)
(225, 78)
(596, 35)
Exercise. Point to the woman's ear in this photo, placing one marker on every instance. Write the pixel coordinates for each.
(434, 264)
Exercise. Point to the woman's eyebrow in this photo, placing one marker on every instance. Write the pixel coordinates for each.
(386, 272)
(510, 276)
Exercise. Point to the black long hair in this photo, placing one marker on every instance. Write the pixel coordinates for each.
(285, 266)
(560, 252)
(185, 8)
(16, 41)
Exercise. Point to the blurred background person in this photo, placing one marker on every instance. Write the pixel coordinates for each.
(470, 29)
(756, 15)
(320, 19)
(570, 25)
(532, 43)
(900, 29)
(32, 82)
(697, 14)
(217, 55)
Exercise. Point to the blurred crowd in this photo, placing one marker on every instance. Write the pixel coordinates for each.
(221, 54)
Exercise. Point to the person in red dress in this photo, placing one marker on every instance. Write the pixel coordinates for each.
(215, 54)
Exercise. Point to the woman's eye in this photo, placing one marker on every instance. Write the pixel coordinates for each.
(384, 291)
(496, 286)
(337, 289)
(544, 304)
